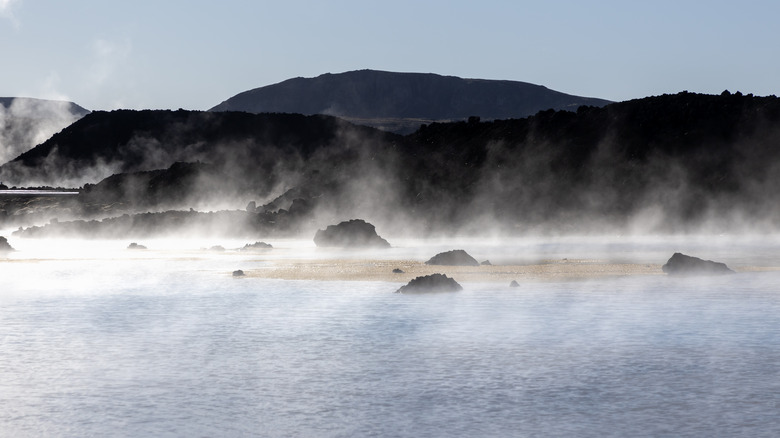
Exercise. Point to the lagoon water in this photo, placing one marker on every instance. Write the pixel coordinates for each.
(151, 344)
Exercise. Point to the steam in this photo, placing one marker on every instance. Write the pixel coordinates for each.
(26, 123)
(534, 184)
(107, 58)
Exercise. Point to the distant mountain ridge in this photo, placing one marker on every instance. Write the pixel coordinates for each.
(26, 122)
(400, 102)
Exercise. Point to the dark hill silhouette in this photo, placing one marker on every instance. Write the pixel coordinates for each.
(26, 122)
(400, 102)
(682, 162)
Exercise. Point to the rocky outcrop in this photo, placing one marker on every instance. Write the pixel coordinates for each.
(135, 246)
(5, 246)
(681, 264)
(430, 283)
(457, 257)
(238, 273)
(514, 283)
(355, 233)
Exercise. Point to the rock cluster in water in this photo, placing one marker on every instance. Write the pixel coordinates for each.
(681, 264)
(257, 246)
(457, 257)
(135, 246)
(355, 233)
(430, 283)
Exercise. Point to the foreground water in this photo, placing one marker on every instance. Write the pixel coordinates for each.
(154, 345)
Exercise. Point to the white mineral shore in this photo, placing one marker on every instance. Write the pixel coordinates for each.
(382, 270)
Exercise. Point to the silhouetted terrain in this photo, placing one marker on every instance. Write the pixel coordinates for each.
(246, 148)
(683, 162)
(26, 122)
(400, 102)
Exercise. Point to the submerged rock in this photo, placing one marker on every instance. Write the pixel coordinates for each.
(681, 264)
(430, 283)
(135, 246)
(238, 273)
(350, 234)
(456, 257)
(5, 246)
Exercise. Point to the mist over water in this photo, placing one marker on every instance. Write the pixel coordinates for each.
(99, 340)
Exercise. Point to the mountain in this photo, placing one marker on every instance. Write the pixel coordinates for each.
(401, 102)
(671, 163)
(26, 122)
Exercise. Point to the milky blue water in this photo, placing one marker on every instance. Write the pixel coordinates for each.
(152, 346)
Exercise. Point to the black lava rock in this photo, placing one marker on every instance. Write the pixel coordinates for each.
(681, 264)
(430, 283)
(356, 233)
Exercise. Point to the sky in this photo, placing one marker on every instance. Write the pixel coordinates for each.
(170, 54)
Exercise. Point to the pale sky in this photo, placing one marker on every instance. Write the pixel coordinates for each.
(194, 54)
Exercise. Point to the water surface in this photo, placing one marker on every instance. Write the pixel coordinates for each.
(145, 345)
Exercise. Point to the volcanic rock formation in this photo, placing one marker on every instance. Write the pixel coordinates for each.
(456, 257)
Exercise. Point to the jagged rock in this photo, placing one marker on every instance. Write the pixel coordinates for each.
(251, 207)
(350, 234)
(257, 246)
(457, 257)
(430, 283)
(681, 264)
(135, 246)
(4, 245)
(486, 263)
(398, 271)
(514, 283)
(238, 273)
